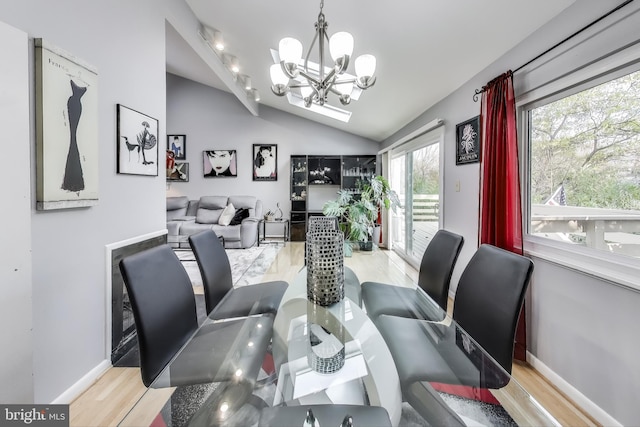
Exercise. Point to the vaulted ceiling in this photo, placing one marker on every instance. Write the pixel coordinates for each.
(425, 49)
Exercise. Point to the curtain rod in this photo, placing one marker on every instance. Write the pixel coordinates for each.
(620, 6)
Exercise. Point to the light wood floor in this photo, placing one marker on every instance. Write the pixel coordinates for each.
(109, 399)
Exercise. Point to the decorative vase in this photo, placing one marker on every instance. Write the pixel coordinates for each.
(278, 213)
(325, 346)
(325, 267)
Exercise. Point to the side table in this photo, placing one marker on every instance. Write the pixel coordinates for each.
(262, 226)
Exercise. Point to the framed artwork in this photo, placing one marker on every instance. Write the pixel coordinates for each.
(468, 141)
(67, 157)
(265, 162)
(179, 172)
(219, 163)
(177, 144)
(137, 142)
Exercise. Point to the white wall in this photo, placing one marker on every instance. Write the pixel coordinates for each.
(16, 384)
(124, 40)
(581, 330)
(213, 119)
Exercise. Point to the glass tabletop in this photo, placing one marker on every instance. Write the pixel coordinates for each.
(324, 355)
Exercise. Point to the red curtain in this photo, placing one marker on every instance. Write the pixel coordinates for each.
(500, 207)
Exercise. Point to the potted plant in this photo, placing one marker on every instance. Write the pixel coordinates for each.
(359, 212)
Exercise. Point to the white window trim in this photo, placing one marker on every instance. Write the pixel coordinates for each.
(617, 269)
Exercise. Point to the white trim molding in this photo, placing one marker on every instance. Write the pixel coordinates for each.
(573, 393)
(82, 384)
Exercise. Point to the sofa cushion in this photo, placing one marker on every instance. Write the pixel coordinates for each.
(240, 214)
(231, 233)
(248, 202)
(227, 215)
(176, 207)
(210, 208)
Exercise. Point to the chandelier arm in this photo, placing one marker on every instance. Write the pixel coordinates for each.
(310, 78)
(339, 82)
(306, 59)
(366, 85)
(327, 79)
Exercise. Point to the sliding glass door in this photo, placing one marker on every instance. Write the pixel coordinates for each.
(416, 176)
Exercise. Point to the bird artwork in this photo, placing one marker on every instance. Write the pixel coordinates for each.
(131, 147)
(145, 141)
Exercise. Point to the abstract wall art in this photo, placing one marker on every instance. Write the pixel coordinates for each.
(66, 129)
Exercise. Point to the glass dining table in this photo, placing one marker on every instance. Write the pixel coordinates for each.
(335, 355)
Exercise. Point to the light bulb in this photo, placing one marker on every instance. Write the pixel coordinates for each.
(340, 44)
(218, 42)
(279, 80)
(290, 50)
(247, 83)
(365, 66)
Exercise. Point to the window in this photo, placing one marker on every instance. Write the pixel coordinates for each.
(584, 168)
(415, 175)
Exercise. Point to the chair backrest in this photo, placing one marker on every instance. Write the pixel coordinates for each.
(489, 299)
(163, 304)
(214, 267)
(437, 265)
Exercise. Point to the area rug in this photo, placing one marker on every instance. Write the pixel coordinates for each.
(247, 265)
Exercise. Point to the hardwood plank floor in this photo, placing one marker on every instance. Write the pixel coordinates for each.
(110, 398)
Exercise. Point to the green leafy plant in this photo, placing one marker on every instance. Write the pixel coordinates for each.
(358, 213)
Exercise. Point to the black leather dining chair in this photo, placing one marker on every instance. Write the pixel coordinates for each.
(487, 305)
(434, 278)
(222, 300)
(164, 311)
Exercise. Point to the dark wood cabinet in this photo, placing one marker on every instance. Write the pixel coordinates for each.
(309, 173)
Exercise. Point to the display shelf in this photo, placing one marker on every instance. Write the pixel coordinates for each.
(325, 174)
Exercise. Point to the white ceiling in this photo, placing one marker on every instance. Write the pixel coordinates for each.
(425, 49)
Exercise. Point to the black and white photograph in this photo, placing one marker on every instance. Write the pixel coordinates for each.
(67, 117)
(265, 162)
(219, 163)
(137, 142)
(177, 144)
(468, 141)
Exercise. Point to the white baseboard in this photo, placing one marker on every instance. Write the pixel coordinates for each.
(573, 393)
(82, 384)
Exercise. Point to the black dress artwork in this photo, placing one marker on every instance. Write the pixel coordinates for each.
(73, 176)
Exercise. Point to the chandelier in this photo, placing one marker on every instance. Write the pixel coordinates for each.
(316, 81)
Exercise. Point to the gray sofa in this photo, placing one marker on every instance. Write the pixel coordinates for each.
(186, 217)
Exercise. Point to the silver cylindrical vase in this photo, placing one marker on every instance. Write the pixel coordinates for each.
(325, 267)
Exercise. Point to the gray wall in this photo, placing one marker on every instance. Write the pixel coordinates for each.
(125, 41)
(213, 119)
(15, 252)
(581, 330)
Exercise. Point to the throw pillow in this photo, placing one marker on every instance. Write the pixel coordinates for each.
(227, 215)
(241, 213)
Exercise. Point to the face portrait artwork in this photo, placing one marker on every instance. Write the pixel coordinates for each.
(264, 162)
(220, 163)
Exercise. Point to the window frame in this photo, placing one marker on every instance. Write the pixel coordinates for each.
(433, 135)
(617, 269)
